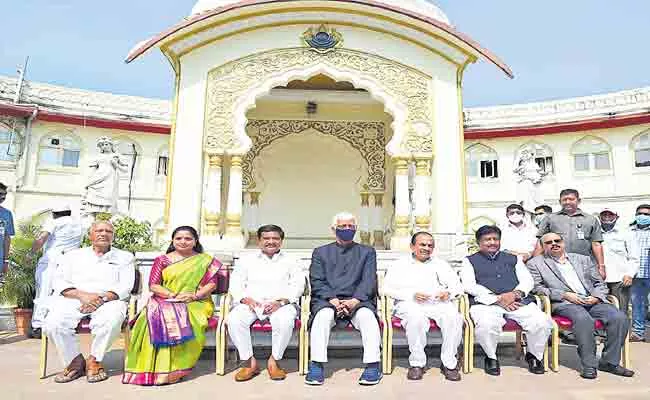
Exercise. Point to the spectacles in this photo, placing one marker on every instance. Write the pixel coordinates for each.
(348, 226)
(516, 212)
(554, 241)
(639, 213)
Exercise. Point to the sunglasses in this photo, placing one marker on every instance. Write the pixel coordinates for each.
(639, 213)
(554, 241)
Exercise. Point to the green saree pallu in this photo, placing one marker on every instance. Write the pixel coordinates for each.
(168, 337)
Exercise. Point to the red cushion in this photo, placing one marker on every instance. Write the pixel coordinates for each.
(223, 280)
(265, 326)
(511, 326)
(84, 325)
(566, 324)
(397, 324)
(212, 323)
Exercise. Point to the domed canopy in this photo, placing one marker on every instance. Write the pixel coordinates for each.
(422, 7)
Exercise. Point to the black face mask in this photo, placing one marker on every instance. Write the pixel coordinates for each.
(608, 226)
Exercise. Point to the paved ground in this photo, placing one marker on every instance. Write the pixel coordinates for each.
(19, 380)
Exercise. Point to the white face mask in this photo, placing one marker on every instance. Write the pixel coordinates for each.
(515, 218)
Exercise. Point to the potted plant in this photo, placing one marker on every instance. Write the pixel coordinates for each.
(19, 285)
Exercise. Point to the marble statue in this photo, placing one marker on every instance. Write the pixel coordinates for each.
(529, 176)
(102, 187)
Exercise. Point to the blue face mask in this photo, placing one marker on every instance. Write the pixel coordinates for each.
(642, 220)
(345, 235)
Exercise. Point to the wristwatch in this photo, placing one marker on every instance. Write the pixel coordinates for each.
(105, 299)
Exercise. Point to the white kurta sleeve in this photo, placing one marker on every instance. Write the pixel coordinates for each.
(481, 294)
(449, 278)
(296, 284)
(126, 278)
(524, 277)
(395, 285)
(238, 279)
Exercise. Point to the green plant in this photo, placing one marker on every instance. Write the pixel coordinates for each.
(19, 285)
(129, 234)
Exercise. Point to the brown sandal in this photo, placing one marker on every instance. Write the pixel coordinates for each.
(95, 371)
(74, 371)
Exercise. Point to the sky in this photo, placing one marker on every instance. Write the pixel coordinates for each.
(556, 48)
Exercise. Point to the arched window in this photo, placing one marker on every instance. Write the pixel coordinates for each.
(163, 162)
(59, 150)
(481, 162)
(641, 147)
(543, 156)
(130, 153)
(591, 154)
(10, 142)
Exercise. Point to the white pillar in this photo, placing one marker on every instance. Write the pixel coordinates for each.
(377, 222)
(364, 218)
(253, 217)
(422, 195)
(400, 238)
(212, 196)
(234, 236)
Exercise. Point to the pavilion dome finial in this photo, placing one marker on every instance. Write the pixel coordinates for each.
(422, 7)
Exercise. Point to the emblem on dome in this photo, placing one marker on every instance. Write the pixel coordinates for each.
(322, 39)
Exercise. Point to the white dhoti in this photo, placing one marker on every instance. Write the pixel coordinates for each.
(64, 316)
(282, 323)
(44, 275)
(489, 321)
(363, 320)
(415, 320)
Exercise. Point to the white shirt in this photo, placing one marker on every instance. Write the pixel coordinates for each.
(64, 235)
(571, 276)
(84, 270)
(620, 256)
(484, 295)
(267, 279)
(520, 239)
(409, 276)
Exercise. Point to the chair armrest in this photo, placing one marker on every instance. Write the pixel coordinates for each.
(389, 304)
(614, 301)
(132, 309)
(544, 302)
(224, 306)
(463, 304)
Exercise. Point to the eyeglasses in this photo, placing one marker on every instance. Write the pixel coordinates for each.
(639, 213)
(554, 241)
(515, 212)
(346, 226)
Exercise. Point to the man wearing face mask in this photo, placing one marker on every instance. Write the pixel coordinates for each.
(581, 231)
(622, 265)
(518, 235)
(343, 278)
(641, 283)
(541, 212)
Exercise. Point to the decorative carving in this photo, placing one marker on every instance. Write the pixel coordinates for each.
(215, 161)
(322, 39)
(422, 167)
(401, 166)
(366, 137)
(228, 84)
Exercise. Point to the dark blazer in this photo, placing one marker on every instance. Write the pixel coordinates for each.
(343, 273)
(549, 281)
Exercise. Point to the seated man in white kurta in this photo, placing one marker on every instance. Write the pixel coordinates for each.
(263, 285)
(92, 281)
(424, 288)
(499, 285)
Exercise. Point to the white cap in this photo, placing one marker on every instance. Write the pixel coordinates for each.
(61, 208)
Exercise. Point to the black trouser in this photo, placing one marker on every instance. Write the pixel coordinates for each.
(583, 317)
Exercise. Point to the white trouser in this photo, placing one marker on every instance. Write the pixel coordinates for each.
(64, 316)
(282, 323)
(489, 321)
(363, 320)
(43, 275)
(415, 320)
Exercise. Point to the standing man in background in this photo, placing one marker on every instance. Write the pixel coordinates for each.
(518, 235)
(641, 283)
(540, 213)
(59, 235)
(6, 230)
(622, 264)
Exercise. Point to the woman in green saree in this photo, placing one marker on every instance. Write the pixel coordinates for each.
(169, 333)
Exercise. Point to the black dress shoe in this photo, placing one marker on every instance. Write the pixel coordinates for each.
(492, 367)
(589, 373)
(534, 365)
(415, 373)
(615, 369)
(35, 333)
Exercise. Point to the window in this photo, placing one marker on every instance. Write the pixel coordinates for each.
(591, 154)
(10, 143)
(163, 162)
(641, 147)
(59, 151)
(481, 162)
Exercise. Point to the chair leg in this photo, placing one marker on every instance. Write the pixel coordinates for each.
(221, 351)
(388, 350)
(555, 344)
(519, 348)
(470, 346)
(465, 348)
(626, 352)
(301, 350)
(306, 352)
(127, 340)
(43, 360)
